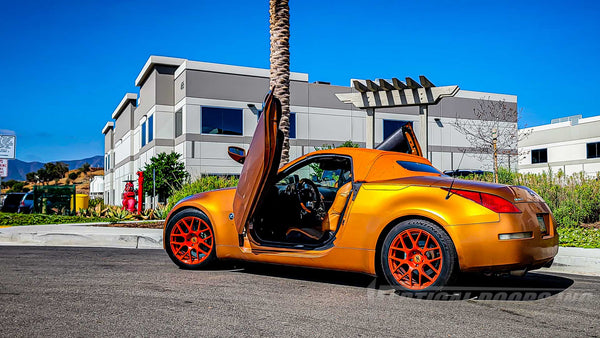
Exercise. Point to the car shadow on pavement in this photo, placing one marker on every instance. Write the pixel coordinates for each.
(309, 274)
(533, 286)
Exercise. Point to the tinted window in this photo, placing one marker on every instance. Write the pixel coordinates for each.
(223, 121)
(390, 126)
(143, 134)
(292, 125)
(13, 198)
(539, 156)
(150, 128)
(593, 150)
(416, 166)
(178, 123)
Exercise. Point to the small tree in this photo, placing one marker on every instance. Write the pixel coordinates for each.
(347, 144)
(170, 174)
(494, 133)
(73, 176)
(85, 168)
(31, 177)
(17, 187)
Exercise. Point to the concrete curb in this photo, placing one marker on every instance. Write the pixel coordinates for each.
(577, 260)
(78, 235)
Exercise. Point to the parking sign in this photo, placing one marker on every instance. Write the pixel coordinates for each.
(7, 146)
(3, 168)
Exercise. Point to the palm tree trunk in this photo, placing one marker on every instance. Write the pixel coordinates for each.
(279, 12)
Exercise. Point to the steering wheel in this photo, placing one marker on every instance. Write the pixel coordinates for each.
(308, 195)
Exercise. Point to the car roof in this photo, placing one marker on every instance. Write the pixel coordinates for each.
(365, 161)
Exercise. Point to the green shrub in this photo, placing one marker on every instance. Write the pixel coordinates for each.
(97, 201)
(34, 219)
(579, 237)
(573, 199)
(204, 183)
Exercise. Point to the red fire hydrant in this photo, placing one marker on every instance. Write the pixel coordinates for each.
(129, 201)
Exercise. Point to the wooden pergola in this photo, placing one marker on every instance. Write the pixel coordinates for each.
(370, 95)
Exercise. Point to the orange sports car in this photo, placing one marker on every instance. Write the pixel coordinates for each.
(383, 211)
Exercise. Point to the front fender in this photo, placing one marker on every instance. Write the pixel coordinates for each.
(216, 205)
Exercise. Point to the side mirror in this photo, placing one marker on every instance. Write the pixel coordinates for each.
(237, 154)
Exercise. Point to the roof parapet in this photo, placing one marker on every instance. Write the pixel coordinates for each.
(122, 104)
(108, 126)
(156, 60)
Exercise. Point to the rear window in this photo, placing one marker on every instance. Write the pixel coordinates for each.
(416, 166)
(29, 197)
(13, 198)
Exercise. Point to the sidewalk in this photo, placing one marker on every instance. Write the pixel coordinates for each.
(569, 260)
(82, 235)
(579, 261)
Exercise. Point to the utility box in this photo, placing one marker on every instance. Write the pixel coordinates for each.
(82, 201)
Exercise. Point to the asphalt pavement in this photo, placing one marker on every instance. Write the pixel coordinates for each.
(69, 291)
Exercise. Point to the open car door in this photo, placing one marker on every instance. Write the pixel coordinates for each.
(402, 140)
(261, 163)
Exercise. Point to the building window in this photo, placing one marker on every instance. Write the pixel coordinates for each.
(144, 133)
(224, 121)
(593, 150)
(390, 126)
(292, 125)
(178, 123)
(539, 156)
(151, 128)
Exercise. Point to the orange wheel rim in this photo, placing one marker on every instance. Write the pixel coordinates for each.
(191, 240)
(415, 259)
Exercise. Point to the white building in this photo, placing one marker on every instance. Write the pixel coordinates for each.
(570, 144)
(97, 187)
(198, 109)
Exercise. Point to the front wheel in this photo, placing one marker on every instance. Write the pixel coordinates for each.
(190, 240)
(418, 256)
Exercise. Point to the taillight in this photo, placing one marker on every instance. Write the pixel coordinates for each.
(492, 202)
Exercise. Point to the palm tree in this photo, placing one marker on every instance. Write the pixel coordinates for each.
(279, 13)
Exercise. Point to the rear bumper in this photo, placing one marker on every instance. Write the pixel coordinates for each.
(479, 248)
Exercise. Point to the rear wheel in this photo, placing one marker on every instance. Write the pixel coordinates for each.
(417, 256)
(190, 240)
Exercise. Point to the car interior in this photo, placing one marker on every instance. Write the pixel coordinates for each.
(306, 203)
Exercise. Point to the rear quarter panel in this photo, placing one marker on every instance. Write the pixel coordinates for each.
(379, 204)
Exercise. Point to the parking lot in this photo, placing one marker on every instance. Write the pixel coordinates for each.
(55, 291)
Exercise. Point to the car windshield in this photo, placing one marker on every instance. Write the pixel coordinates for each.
(324, 173)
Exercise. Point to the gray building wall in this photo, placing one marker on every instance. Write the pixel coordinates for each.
(108, 140)
(124, 122)
(147, 98)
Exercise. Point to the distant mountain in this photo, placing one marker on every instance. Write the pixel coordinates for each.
(17, 169)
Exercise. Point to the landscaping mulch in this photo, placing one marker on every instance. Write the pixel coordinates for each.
(143, 225)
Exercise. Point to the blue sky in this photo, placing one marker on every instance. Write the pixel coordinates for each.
(66, 65)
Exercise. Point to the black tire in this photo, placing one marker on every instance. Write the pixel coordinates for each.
(181, 246)
(402, 270)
